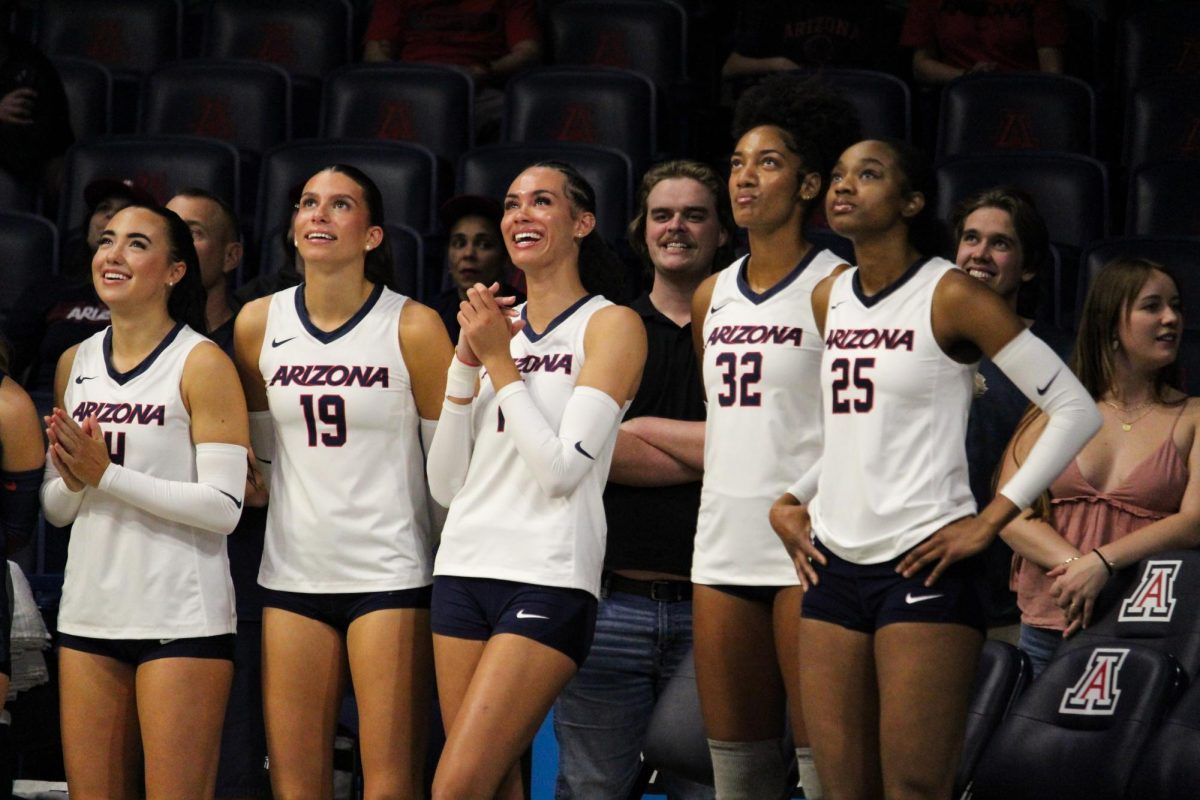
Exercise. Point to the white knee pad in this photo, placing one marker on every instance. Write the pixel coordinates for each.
(809, 779)
(748, 770)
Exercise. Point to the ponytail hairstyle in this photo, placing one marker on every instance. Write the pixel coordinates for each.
(187, 299)
(377, 262)
(925, 231)
(601, 271)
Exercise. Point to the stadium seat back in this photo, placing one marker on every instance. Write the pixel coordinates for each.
(1162, 199)
(883, 101)
(609, 107)
(998, 112)
(30, 247)
(1158, 40)
(14, 194)
(308, 38)
(245, 103)
(161, 164)
(89, 88)
(648, 38)
(1156, 604)
(1003, 673)
(133, 35)
(405, 173)
(1169, 767)
(1071, 191)
(1163, 121)
(490, 170)
(428, 104)
(1076, 733)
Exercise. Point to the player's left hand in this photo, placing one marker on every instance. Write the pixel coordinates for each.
(488, 329)
(81, 448)
(960, 539)
(257, 492)
(1076, 586)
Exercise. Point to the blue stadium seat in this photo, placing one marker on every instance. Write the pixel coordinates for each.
(161, 164)
(1078, 730)
(491, 169)
(30, 247)
(245, 103)
(15, 195)
(405, 173)
(1003, 673)
(130, 35)
(1162, 199)
(1163, 120)
(429, 104)
(1169, 768)
(648, 38)
(883, 101)
(1070, 190)
(590, 105)
(89, 88)
(1158, 40)
(999, 112)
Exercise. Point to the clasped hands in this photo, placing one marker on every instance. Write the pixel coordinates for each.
(487, 323)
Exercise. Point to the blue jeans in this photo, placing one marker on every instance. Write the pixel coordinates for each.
(600, 718)
(1039, 644)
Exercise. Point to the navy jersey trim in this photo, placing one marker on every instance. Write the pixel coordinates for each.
(325, 337)
(122, 378)
(856, 283)
(534, 336)
(783, 283)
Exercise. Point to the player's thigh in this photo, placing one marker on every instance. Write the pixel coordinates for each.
(98, 714)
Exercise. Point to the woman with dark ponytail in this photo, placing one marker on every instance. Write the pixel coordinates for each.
(147, 457)
(521, 458)
(344, 380)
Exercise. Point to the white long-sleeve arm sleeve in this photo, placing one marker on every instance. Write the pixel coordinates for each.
(559, 460)
(262, 439)
(1041, 376)
(449, 453)
(212, 503)
(805, 487)
(59, 504)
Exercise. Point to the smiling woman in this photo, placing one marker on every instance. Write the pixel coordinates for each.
(344, 380)
(146, 623)
(521, 458)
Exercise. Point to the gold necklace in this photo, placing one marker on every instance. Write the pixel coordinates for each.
(1127, 425)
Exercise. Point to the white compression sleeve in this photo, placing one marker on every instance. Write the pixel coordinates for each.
(1042, 377)
(262, 440)
(559, 460)
(450, 452)
(59, 504)
(805, 488)
(213, 503)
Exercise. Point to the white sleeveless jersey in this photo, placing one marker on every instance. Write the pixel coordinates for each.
(761, 356)
(501, 524)
(895, 465)
(348, 510)
(131, 574)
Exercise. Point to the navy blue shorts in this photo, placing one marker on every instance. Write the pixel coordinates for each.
(755, 594)
(480, 608)
(865, 597)
(138, 651)
(338, 610)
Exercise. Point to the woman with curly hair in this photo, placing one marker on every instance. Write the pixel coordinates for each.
(760, 351)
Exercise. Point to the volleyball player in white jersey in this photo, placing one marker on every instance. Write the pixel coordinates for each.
(892, 620)
(523, 467)
(343, 378)
(148, 459)
(760, 351)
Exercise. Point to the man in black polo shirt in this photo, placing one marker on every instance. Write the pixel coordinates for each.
(644, 622)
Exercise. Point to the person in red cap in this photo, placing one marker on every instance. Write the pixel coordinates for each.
(475, 253)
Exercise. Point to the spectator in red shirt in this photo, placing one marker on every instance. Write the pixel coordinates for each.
(491, 39)
(953, 37)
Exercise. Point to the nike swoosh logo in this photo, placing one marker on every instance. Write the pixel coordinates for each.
(1043, 389)
(278, 342)
(715, 309)
(81, 378)
(523, 614)
(579, 447)
(165, 641)
(835, 305)
(236, 502)
(911, 598)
